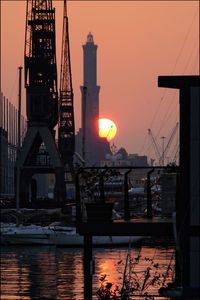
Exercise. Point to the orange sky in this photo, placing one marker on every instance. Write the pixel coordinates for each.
(137, 41)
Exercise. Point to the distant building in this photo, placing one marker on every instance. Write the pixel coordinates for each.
(137, 160)
(88, 143)
(122, 158)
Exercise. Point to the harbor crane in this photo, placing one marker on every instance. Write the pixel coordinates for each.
(156, 147)
(161, 155)
(39, 153)
(66, 127)
(167, 147)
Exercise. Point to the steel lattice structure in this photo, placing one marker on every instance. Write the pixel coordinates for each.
(66, 134)
(39, 153)
(40, 62)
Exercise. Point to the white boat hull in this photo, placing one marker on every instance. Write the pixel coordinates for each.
(67, 236)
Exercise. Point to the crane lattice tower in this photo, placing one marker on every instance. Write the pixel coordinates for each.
(39, 153)
(66, 128)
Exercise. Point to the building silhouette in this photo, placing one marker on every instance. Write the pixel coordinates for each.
(8, 145)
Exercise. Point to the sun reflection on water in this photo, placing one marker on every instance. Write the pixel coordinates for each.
(31, 273)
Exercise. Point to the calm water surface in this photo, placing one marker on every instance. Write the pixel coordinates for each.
(48, 272)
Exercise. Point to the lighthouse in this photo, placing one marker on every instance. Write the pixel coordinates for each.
(93, 147)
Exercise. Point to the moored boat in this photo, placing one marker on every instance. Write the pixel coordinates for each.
(56, 235)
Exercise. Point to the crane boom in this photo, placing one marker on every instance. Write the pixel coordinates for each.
(66, 126)
(157, 151)
(171, 139)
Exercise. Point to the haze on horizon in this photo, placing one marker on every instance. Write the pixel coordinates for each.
(137, 41)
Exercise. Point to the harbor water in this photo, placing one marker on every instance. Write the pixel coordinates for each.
(48, 272)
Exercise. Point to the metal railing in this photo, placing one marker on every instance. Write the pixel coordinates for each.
(132, 190)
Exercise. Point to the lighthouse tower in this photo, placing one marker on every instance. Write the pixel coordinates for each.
(94, 148)
(90, 89)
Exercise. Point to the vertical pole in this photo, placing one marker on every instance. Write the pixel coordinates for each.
(183, 206)
(1, 110)
(14, 133)
(10, 145)
(23, 128)
(9, 148)
(1, 140)
(7, 116)
(177, 250)
(84, 120)
(198, 38)
(126, 197)
(13, 146)
(4, 112)
(149, 199)
(4, 145)
(78, 200)
(7, 145)
(9, 123)
(88, 267)
(16, 130)
(18, 141)
(163, 150)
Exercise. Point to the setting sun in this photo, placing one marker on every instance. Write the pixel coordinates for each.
(107, 128)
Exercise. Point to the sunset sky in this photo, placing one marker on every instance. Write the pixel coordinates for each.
(137, 41)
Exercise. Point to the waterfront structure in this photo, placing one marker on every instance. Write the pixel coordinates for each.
(88, 143)
(187, 204)
(8, 145)
(94, 217)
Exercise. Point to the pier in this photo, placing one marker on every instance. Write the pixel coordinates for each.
(103, 223)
